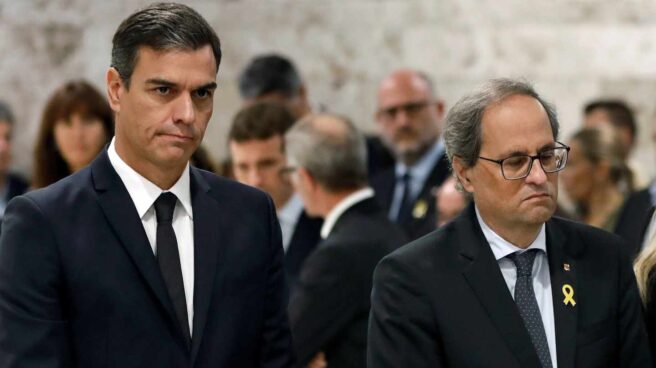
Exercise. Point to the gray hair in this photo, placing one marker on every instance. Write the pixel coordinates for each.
(5, 113)
(462, 132)
(161, 26)
(331, 149)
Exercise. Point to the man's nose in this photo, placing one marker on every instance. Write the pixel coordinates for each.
(184, 111)
(537, 175)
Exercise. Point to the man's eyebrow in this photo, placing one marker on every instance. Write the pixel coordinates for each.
(211, 85)
(160, 82)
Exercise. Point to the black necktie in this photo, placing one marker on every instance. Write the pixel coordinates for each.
(405, 208)
(528, 305)
(169, 259)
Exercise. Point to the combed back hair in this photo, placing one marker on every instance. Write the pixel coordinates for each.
(161, 26)
(620, 114)
(601, 144)
(462, 132)
(270, 73)
(331, 149)
(6, 114)
(260, 121)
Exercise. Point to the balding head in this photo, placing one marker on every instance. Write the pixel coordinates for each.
(331, 149)
(408, 114)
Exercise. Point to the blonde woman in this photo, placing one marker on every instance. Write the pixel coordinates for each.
(645, 267)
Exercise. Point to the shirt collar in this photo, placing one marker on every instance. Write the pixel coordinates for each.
(144, 192)
(346, 203)
(502, 248)
(290, 212)
(422, 168)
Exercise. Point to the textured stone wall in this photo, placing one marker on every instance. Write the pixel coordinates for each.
(574, 50)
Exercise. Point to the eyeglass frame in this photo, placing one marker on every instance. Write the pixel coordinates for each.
(530, 164)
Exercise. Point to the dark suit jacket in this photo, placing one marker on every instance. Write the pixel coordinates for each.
(304, 240)
(422, 222)
(441, 301)
(633, 220)
(330, 308)
(81, 287)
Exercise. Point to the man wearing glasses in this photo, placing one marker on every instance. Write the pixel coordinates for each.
(505, 284)
(409, 116)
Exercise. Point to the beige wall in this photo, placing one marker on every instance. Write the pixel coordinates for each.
(574, 50)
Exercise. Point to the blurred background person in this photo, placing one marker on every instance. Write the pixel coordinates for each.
(257, 150)
(202, 160)
(275, 78)
(409, 115)
(76, 124)
(645, 265)
(597, 178)
(449, 201)
(11, 184)
(330, 309)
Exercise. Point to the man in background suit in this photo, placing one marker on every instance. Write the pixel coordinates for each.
(505, 284)
(275, 78)
(11, 185)
(140, 260)
(329, 311)
(257, 153)
(409, 116)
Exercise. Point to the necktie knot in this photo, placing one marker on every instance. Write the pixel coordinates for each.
(164, 206)
(524, 262)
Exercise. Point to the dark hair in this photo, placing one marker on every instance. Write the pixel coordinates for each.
(75, 97)
(619, 113)
(260, 121)
(161, 26)
(269, 73)
(201, 159)
(5, 113)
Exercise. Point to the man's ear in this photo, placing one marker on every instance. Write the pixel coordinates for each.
(115, 88)
(462, 174)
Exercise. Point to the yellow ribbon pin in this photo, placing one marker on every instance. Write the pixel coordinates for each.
(568, 291)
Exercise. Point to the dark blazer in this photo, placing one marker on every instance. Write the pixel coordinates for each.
(633, 220)
(304, 240)
(329, 311)
(16, 186)
(423, 219)
(81, 287)
(441, 301)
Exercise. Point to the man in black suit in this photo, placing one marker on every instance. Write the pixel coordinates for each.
(329, 311)
(634, 217)
(504, 284)
(257, 153)
(409, 116)
(140, 260)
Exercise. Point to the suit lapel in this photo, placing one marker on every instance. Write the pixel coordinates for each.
(484, 277)
(123, 218)
(562, 268)
(209, 224)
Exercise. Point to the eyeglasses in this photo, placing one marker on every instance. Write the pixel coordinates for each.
(519, 166)
(410, 109)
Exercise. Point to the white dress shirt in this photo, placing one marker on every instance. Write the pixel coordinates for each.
(144, 193)
(341, 207)
(541, 279)
(288, 218)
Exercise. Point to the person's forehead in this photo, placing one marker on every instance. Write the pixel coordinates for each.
(401, 88)
(149, 61)
(271, 146)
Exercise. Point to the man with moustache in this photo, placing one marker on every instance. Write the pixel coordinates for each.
(140, 260)
(409, 116)
(506, 284)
